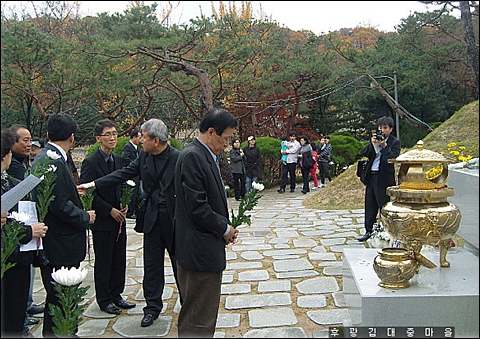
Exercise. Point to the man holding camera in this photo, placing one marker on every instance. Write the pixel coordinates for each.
(383, 146)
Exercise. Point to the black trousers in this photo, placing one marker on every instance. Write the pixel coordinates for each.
(51, 297)
(110, 264)
(155, 243)
(305, 177)
(239, 185)
(324, 170)
(375, 198)
(15, 286)
(288, 170)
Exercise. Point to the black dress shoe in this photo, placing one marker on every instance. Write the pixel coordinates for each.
(32, 321)
(365, 237)
(148, 319)
(35, 309)
(281, 190)
(292, 190)
(112, 309)
(27, 334)
(122, 303)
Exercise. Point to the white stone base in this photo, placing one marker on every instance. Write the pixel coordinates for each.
(436, 297)
(465, 183)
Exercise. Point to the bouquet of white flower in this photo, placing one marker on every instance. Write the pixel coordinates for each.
(127, 192)
(66, 317)
(13, 232)
(45, 196)
(87, 202)
(248, 202)
(381, 238)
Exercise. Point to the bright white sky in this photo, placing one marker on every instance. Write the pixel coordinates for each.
(316, 16)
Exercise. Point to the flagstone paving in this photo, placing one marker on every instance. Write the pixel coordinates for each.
(283, 277)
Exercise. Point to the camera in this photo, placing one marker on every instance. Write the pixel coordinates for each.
(380, 136)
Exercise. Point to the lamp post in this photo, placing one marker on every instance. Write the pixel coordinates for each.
(394, 79)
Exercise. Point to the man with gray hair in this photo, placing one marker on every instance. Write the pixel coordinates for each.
(156, 157)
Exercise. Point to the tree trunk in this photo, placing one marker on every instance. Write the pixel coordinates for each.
(469, 38)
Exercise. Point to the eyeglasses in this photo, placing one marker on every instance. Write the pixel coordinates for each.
(109, 135)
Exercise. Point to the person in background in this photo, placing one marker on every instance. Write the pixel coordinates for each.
(21, 162)
(313, 170)
(252, 162)
(382, 147)
(283, 147)
(20, 152)
(238, 169)
(305, 151)
(157, 157)
(129, 154)
(37, 145)
(66, 242)
(109, 229)
(202, 228)
(16, 280)
(330, 160)
(289, 168)
(324, 150)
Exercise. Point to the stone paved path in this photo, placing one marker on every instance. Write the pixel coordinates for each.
(283, 277)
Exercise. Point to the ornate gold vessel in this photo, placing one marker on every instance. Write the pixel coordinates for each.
(419, 212)
(395, 267)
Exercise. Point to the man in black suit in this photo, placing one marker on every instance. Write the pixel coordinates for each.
(20, 152)
(129, 154)
(202, 227)
(21, 161)
(65, 243)
(109, 230)
(158, 229)
(382, 146)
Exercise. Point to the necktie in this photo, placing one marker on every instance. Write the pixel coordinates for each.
(110, 164)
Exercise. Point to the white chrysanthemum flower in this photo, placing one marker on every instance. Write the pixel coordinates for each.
(20, 216)
(52, 168)
(88, 184)
(259, 187)
(53, 155)
(130, 183)
(69, 277)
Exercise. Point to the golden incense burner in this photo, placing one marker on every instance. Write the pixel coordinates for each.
(419, 212)
(395, 267)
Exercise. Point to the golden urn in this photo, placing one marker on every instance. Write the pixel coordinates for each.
(395, 267)
(418, 212)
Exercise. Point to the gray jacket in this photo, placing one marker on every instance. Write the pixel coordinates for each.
(236, 161)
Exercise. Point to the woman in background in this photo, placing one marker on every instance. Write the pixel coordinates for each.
(238, 169)
(313, 170)
(305, 151)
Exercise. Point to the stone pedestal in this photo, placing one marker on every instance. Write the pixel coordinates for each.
(465, 182)
(436, 297)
